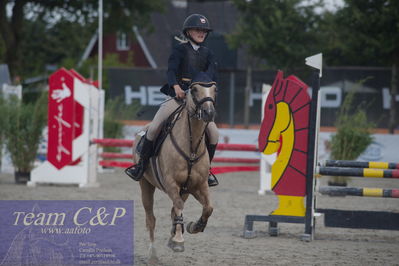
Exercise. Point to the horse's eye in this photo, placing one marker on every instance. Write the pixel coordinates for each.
(270, 106)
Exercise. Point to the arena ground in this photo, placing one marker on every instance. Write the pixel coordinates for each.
(222, 242)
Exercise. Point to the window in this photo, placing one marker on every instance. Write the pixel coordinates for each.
(122, 41)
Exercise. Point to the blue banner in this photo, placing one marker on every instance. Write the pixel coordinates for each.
(66, 232)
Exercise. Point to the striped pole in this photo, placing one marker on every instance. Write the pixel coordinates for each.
(220, 146)
(356, 164)
(359, 172)
(121, 164)
(115, 155)
(361, 192)
(215, 170)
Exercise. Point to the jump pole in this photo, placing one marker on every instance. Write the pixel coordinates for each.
(359, 192)
(115, 155)
(360, 219)
(357, 164)
(315, 62)
(358, 172)
(266, 161)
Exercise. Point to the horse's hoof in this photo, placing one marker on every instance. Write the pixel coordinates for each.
(152, 261)
(152, 256)
(176, 246)
(192, 228)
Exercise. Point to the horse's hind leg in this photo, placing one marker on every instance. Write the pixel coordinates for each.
(202, 195)
(147, 198)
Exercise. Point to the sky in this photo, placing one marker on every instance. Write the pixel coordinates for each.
(333, 4)
(330, 5)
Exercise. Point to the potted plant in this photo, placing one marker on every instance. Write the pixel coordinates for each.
(352, 138)
(24, 126)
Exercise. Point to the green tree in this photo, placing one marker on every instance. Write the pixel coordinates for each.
(89, 67)
(281, 32)
(118, 15)
(65, 40)
(365, 33)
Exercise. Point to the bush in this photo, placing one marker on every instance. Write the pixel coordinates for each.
(24, 127)
(353, 134)
(115, 111)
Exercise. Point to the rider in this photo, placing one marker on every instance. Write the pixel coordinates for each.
(187, 59)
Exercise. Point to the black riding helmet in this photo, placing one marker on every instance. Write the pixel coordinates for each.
(196, 21)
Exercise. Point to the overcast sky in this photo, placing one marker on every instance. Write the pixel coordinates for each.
(333, 4)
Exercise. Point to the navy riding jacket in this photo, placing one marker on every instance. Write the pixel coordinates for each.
(184, 63)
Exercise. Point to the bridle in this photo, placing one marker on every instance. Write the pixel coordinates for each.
(193, 157)
(198, 103)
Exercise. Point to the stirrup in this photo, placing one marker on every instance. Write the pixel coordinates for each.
(212, 180)
(134, 173)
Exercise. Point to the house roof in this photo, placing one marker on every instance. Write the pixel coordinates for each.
(156, 43)
(221, 14)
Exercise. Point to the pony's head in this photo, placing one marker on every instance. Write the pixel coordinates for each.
(202, 97)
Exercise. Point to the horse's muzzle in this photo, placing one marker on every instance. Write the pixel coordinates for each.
(208, 113)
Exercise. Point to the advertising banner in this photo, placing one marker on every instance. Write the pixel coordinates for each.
(67, 232)
(371, 87)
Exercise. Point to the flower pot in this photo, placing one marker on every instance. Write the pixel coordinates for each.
(21, 177)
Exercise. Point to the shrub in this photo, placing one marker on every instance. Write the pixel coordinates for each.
(353, 134)
(24, 127)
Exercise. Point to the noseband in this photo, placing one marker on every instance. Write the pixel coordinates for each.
(198, 103)
(198, 111)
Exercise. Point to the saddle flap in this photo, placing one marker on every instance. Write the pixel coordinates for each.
(156, 171)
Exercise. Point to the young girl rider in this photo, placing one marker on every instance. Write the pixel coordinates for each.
(187, 59)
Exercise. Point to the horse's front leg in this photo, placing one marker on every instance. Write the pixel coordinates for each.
(176, 241)
(202, 195)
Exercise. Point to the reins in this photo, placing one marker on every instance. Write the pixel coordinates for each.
(192, 158)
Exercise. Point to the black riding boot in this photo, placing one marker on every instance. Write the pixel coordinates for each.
(136, 171)
(212, 180)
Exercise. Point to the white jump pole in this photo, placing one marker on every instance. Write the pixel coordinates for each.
(266, 161)
(101, 103)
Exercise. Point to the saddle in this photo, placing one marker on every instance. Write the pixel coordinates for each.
(165, 131)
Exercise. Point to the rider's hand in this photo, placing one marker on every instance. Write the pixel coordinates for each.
(180, 94)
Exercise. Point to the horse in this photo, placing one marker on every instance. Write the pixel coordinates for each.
(181, 165)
